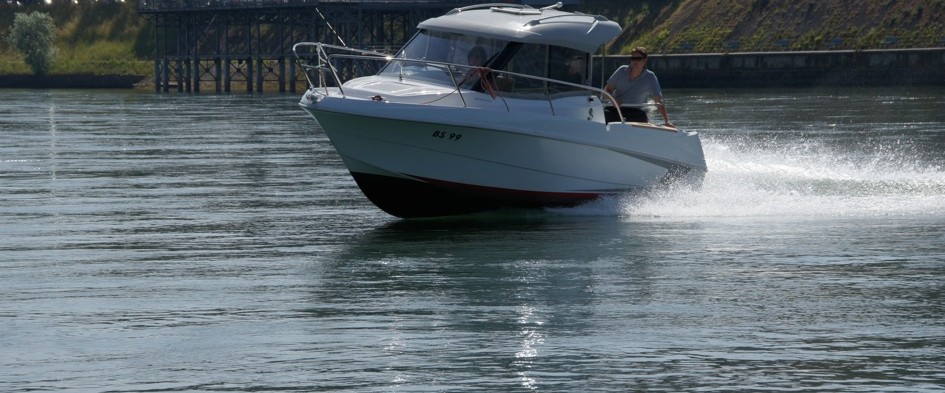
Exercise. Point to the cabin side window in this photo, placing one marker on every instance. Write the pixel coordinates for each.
(530, 59)
(553, 62)
(569, 65)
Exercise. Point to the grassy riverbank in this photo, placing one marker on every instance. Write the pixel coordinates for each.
(110, 38)
(93, 38)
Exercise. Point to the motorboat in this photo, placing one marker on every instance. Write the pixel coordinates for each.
(488, 107)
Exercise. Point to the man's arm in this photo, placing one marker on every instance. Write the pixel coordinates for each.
(662, 109)
(610, 90)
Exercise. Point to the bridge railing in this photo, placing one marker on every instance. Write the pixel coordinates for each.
(153, 6)
(147, 6)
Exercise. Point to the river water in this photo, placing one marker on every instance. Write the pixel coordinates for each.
(170, 243)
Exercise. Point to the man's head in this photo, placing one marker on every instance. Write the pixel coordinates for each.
(476, 56)
(638, 56)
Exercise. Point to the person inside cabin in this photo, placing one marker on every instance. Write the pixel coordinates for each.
(632, 86)
(476, 56)
(575, 70)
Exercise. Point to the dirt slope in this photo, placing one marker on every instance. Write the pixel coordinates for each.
(681, 26)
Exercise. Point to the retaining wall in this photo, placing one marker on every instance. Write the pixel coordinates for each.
(880, 67)
(72, 81)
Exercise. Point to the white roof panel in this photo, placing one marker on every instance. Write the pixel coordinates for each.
(528, 25)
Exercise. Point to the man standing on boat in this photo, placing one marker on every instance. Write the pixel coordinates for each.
(631, 86)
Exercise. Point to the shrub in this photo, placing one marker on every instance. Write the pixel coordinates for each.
(32, 34)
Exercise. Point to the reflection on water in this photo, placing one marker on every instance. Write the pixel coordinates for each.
(206, 243)
(659, 306)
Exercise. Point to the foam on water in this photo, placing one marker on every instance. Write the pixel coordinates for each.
(760, 180)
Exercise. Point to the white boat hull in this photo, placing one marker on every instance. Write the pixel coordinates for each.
(488, 106)
(420, 160)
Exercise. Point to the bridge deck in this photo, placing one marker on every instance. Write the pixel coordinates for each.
(170, 6)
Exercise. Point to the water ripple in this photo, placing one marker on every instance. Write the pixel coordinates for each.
(216, 243)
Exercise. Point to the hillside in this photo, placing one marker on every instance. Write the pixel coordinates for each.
(109, 37)
(682, 26)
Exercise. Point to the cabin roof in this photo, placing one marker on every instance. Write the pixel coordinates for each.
(528, 25)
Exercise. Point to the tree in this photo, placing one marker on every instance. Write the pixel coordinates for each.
(32, 34)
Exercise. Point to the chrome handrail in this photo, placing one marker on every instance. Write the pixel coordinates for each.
(325, 64)
(324, 61)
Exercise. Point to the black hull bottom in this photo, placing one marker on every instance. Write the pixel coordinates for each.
(408, 198)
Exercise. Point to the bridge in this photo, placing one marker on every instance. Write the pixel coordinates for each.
(247, 44)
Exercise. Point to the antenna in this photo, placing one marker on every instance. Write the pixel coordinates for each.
(327, 23)
(553, 6)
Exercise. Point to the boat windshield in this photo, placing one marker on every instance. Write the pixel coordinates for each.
(440, 47)
(547, 61)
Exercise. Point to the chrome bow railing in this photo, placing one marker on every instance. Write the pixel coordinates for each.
(330, 66)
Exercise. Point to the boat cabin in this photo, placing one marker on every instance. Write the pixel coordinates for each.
(545, 43)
